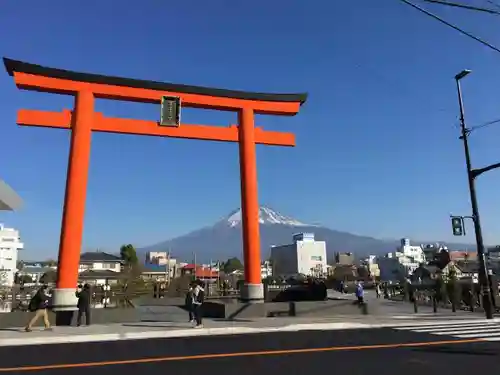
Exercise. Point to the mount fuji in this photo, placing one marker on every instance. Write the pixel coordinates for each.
(266, 216)
(223, 239)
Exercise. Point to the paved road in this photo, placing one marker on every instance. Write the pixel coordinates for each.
(384, 350)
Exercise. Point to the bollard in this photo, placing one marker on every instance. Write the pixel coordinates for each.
(434, 304)
(291, 309)
(364, 308)
(453, 305)
(415, 305)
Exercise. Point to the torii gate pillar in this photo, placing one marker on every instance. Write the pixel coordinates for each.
(252, 289)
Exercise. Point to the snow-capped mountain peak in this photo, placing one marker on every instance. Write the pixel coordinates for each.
(266, 216)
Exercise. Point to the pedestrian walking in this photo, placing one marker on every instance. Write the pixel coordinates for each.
(378, 290)
(198, 299)
(39, 304)
(360, 293)
(189, 303)
(84, 297)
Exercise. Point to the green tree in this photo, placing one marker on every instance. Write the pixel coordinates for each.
(443, 259)
(231, 265)
(128, 254)
(452, 286)
(440, 289)
(49, 277)
(24, 279)
(131, 277)
(50, 263)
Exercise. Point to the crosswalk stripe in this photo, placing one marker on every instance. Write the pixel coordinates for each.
(447, 324)
(471, 331)
(487, 330)
(481, 327)
(479, 335)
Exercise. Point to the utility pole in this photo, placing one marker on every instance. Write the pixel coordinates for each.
(195, 267)
(483, 274)
(218, 274)
(210, 290)
(167, 269)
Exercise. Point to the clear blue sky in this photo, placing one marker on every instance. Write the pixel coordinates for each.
(377, 150)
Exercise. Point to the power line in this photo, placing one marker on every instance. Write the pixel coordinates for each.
(437, 18)
(463, 6)
(496, 5)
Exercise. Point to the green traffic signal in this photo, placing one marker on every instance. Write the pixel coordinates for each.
(457, 224)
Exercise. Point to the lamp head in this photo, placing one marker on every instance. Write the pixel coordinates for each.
(462, 74)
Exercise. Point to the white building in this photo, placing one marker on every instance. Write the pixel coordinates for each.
(10, 244)
(266, 270)
(305, 256)
(100, 261)
(401, 263)
(99, 268)
(371, 264)
(410, 251)
(159, 258)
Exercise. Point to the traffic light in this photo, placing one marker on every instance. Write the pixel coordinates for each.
(457, 224)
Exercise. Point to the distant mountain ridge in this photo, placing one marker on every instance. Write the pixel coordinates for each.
(223, 239)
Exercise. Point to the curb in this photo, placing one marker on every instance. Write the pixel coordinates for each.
(158, 334)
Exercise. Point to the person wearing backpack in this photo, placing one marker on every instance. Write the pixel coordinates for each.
(39, 304)
(198, 299)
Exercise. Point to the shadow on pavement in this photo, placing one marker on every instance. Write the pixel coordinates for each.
(157, 325)
(233, 320)
(11, 330)
(456, 350)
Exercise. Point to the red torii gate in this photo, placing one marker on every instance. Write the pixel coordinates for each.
(83, 120)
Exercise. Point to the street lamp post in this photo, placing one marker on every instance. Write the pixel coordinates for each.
(471, 175)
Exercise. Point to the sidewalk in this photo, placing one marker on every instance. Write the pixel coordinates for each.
(400, 309)
(159, 330)
(159, 324)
